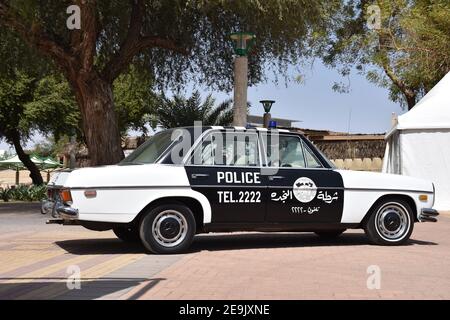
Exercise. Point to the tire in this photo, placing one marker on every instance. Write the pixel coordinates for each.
(127, 234)
(329, 234)
(390, 223)
(168, 229)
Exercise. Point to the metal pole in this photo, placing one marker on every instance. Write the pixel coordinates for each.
(266, 119)
(240, 91)
(17, 176)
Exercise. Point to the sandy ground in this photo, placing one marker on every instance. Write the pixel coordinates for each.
(8, 177)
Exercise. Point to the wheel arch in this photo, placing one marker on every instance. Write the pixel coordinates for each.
(190, 202)
(408, 199)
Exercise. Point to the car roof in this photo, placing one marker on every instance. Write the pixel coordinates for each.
(237, 129)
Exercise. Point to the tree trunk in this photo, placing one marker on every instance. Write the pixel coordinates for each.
(35, 174)
(410, 100)
(101, 130)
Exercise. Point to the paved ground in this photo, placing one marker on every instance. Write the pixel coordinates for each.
(36, 260)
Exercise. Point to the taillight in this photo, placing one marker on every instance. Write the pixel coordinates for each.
(65, 196)
(90, 193)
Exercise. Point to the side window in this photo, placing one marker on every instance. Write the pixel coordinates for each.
(286, 151)
(311, 159)
(230, 149)
(290, 152)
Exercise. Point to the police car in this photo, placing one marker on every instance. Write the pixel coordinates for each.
(193, 180)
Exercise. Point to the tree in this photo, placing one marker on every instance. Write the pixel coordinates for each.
(17, 85)
(53, 110)
(408, 52)
(174, 39)
(181, 112)
(15, 92)
(135, 100)
(32, 98)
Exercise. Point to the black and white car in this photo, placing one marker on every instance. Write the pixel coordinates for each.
(192, 180)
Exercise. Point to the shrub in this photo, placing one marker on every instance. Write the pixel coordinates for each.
(24, 193)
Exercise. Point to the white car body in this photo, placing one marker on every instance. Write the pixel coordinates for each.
(124, 191)
(266, 195)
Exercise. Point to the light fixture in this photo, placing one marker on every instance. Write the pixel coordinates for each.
(267, 104)
(242, 42)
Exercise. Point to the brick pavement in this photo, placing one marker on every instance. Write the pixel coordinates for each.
(299, 266)
(34, 258)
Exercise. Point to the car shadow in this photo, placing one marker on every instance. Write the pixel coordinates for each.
(57, 288)
(219, 242)
(100, 246)
(281, 240)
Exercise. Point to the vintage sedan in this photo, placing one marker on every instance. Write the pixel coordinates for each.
(186, 181)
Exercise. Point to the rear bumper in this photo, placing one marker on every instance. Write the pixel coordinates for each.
(58, 210)
(67, 213)
(428, 215)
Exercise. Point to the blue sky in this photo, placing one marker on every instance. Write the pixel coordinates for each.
(366, 105)
(315, 103)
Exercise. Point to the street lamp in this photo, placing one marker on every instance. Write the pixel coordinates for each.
(242, 43)
(267, 105)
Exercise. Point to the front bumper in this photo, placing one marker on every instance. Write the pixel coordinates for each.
(428, 215)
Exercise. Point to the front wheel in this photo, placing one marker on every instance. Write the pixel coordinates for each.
(390, 223)
(168, 228)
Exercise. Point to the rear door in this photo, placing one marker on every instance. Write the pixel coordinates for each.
(226, 168)
(300, 188)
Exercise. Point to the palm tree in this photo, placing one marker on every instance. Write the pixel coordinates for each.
(180, 111)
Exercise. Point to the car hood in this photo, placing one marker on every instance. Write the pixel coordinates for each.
(376, 180)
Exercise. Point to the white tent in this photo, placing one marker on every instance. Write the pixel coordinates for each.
(419, 144)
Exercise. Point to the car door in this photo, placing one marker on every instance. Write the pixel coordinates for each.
(226, 167)
(301, 189)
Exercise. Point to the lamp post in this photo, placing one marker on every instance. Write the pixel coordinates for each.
(242, 42)
(267, 105)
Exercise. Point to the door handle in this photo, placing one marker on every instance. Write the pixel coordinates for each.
(271, 178)
(199, 175)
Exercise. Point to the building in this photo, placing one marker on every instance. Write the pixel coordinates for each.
(347, 151)
(354, 151)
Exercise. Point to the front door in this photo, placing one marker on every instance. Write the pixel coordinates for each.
(226, 168)
(301, 189)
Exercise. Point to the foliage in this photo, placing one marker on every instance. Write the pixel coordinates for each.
(4, 156)
(174, 40)
(24, 193)
(53, 110)
(135, 101)
(408, 54)
(15, 92)
(199, 30)
(180, 111)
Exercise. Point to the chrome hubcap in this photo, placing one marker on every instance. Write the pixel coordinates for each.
(392, 221)
(169, 228)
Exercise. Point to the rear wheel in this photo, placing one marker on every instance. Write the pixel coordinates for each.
(127, 234)
(168, 228)
(391, 222)
(329, 234)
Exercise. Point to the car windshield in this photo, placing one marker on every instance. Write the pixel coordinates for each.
(151, 150)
